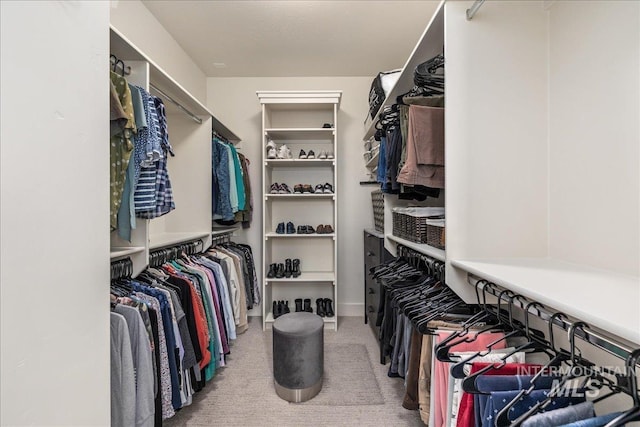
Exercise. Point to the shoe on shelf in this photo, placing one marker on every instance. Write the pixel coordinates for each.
(272, 271)
(291, 229)
(307, 305)
(327, 126)
(285, 307)
(280, 271)
(322, 155)
(328, 229)
(288, 269)
(310, 229)
(275, 188)
(302, 155)
(302, 229)
(320, 307)
(284, 152)
(297, 189)
(271, 150)
(319, 189)
(320, 229)
(311, 155)
(328, 309)
(298, 302)
(280, 228)
(284, 189)
(296, 267)
(306, 188)
(327, 188)
(330, 155)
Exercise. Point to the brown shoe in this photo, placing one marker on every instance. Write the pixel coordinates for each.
(297, 189)
(320, 229)
(306, 188)
(328, 229)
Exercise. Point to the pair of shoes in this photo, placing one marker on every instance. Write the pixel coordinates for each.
(325, 155)
(325, 188)
(271, 150)
(284, 152)
(305, 229)
(324, 308)
(285, 270)
(306, 307)
(302, 188)
(303, 155)
(327, 126)
(279, 189)
(280, 308)
(324, 229)
(291, 229)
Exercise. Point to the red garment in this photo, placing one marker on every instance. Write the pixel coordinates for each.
(466, 416)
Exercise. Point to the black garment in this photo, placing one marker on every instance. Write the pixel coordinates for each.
(394, 154)
(153, 317)
(185, 299)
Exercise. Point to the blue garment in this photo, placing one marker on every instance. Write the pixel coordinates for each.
(220, 169)
(489, 383)
(239, 180)
(499, 399)
(148, 152)
(382, 163)
(581, 411)
(600, 421)
(163, 191)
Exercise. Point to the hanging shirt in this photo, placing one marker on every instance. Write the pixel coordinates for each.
(233, 184)
(239, 178)
(221, 207)
(149, 153)
(123, 388)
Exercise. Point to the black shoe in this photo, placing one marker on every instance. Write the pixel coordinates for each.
(311, 155)
(328, 309)
(280, 228)
(320, 307)
(276, 309)
(296, 268)
(280, 271)
(298, 302)
(310, 229)
(302, 155)
(327, 126)
(288, 269)
(291, 229)
(307, 305)
(286, 308)
(272, 271)
(302, 229)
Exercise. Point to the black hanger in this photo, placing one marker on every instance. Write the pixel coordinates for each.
(632, 414)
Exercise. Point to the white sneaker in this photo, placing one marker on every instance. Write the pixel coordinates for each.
(271, 150)
(330, 155)
(322, 155)
(284, 152)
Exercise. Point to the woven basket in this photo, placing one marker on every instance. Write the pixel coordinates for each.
(417, 225)
(377, 201)
(436, 234)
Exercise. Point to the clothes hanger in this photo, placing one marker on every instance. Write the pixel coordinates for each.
(632, 414)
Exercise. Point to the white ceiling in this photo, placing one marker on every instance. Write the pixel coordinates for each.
(295, 38)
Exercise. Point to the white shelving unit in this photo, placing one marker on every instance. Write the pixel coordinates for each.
(189, 170)
(525, 207)
(295, 118)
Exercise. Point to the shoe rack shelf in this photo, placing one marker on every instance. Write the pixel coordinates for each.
(301, 120)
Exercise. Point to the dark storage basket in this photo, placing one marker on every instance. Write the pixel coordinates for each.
(418, 229)
(436, 235)
(377, 201)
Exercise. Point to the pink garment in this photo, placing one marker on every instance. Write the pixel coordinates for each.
(440, 383)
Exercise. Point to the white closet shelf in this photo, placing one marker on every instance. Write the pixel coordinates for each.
(118, 252)
(422, 248)
(298, 236)
(220, 231)
(167, 239)
(270, 318)
(299, 162)
(308, 276)
(300, 134)
(606, 300)
(125, 50)
(300, 196)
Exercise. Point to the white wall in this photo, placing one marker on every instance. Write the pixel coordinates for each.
(234, 101)
(54, 201)
(141, 28)
(594, 135)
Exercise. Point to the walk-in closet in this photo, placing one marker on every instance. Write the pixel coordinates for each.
(320, 213)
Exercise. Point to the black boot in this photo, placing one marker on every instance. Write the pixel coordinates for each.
(328, 309)
(296, 268)
(288, 270)
(276, 309)
(280, 271)
(286, 308)
(272, 271)
(307, 305)
(320, 307)
(298, 302)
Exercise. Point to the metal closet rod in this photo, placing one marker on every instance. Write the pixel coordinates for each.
(177, 104)
(473, 9)
(587, 333)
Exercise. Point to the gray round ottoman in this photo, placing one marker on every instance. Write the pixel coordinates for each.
(298, 356)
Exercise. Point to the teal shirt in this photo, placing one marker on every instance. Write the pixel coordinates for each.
(242, 198)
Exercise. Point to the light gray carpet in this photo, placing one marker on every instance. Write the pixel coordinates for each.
(348, 378)
(242, 393)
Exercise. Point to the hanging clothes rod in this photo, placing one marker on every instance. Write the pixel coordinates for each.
(473, 9)
(177, 104)
(586, 333)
